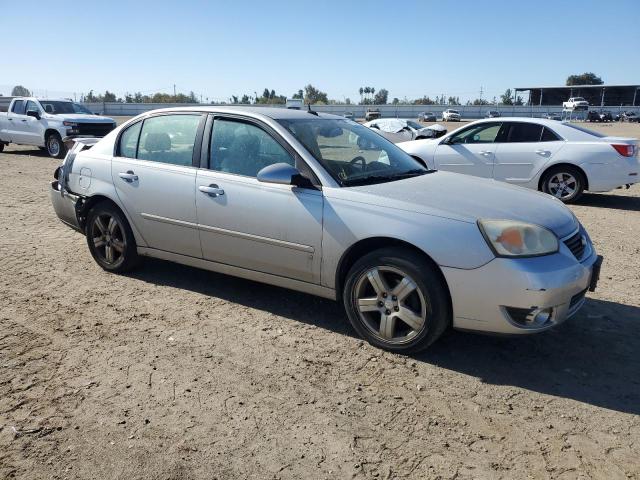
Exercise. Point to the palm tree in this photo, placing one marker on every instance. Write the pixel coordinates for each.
(361, 92)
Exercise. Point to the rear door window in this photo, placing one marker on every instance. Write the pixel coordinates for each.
(18, 107)
(129, 141)
(549, 136)
(524, 132)
(169, 139)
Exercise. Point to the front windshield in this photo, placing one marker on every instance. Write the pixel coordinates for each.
(454, 111)
(351, 153)
(414, 125)
(57, 107)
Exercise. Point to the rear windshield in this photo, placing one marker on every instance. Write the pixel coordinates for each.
(584, 130)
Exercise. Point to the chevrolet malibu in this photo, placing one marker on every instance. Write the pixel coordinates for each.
(317, 203)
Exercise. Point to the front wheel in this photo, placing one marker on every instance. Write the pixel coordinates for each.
(110, 239)
(55, 147)
(565, 183)
(396, 299)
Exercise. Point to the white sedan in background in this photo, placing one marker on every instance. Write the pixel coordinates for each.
(402, 130)
(561, 159)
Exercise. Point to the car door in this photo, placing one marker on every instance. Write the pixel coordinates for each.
(275, 229)
(470, 151)
(154, 176)
(16, 122)
(33, 129)
(524, 149)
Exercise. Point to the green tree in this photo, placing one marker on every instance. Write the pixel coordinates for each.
(507, 97)
(381, 97)
(587, 78)
(20, 91)
(109, 97)
(395, 101)
(299, 95)
(245, 99)
(313, 95)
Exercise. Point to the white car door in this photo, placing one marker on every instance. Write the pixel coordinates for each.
(17, 121)
(33, 129)
(275, 229)
(154, 176)
(470, 151)
(523, 151)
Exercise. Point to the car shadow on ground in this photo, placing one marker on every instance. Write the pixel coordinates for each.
(591, 358)
(35, 152)
(607, 200)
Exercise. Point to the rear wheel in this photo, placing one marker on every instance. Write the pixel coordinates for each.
(565, 183)
(55, 147)
(397, 300)
(110, 239)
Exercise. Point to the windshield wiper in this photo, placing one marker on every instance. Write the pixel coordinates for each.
(385, 178)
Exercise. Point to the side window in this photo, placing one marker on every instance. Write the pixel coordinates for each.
(524, 132)
(32, 107)
(129, 141)
(244, 149)
(169, 139)
(18, 107)
(483, 133)
(549, 136)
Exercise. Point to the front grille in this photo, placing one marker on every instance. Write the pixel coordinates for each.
(576, 244)
(95, 129)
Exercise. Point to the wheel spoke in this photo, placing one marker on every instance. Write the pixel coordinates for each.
(404, 288)
(409, 317)
(117, 245)
(368, 304)
(112, 225)
(558, 193)
(387, 326)
(108, 253)
(101, 226)
(99, 242)
(377, 282)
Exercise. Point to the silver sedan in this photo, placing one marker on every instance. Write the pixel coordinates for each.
(320, 204)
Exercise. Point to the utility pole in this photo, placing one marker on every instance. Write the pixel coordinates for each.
(481, 92)
(174, 90)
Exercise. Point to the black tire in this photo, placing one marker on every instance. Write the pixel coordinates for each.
(119, 239)
(429, 288)
(1, 146)
(549, 177)
(55, 147)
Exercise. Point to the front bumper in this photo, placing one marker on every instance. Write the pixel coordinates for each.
(484, 299)
(64, 205)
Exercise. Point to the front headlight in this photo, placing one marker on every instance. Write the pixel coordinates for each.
(69, 124)
(510, 238)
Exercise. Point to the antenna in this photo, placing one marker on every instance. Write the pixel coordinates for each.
(311, 111)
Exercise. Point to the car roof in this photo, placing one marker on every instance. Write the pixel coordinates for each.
(254, 111)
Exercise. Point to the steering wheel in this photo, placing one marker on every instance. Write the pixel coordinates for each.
(359, 159)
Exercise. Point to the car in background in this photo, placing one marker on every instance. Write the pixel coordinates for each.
(592, 116)
(350, 116)
(450, 115)
(575, 103)
(630, 117)
(492, 114)
(552, 116)
(606, 116)
(427, 117)
(50, 124)
(372, 114)
(402, 130)
(561, 159)
(317, 203)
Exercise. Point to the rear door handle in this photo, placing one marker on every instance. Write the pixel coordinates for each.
(212, 190)
(128, 176)
(486, 153)
(543, 152)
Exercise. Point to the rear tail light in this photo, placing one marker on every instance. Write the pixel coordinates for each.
(624, 149)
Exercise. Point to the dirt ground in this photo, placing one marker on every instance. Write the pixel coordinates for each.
(175, 373)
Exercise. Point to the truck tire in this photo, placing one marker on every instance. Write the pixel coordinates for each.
(1, 146)
(55, 147)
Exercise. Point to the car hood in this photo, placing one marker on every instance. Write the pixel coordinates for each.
(80, 117)
(466, 198)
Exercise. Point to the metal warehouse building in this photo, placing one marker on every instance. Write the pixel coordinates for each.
(604, 95)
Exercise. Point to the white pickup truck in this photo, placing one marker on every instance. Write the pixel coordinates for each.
(575, 103)
(50, 124)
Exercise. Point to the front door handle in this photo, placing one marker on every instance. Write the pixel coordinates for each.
(128, 176)
(212, 190)
(486, 153)
(543, 152)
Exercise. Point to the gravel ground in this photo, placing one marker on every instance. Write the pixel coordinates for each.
(172, 373)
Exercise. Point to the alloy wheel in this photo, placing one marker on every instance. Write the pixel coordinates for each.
(562, 185)
(390, 304)
(53, 145)
(108, 238)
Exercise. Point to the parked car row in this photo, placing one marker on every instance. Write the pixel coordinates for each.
(401, 130)
(318, 203)
(603, 116)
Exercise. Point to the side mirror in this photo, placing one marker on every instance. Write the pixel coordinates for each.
(33, 113)
(282, 174)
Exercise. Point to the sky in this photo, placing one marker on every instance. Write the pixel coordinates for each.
(219, 49)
